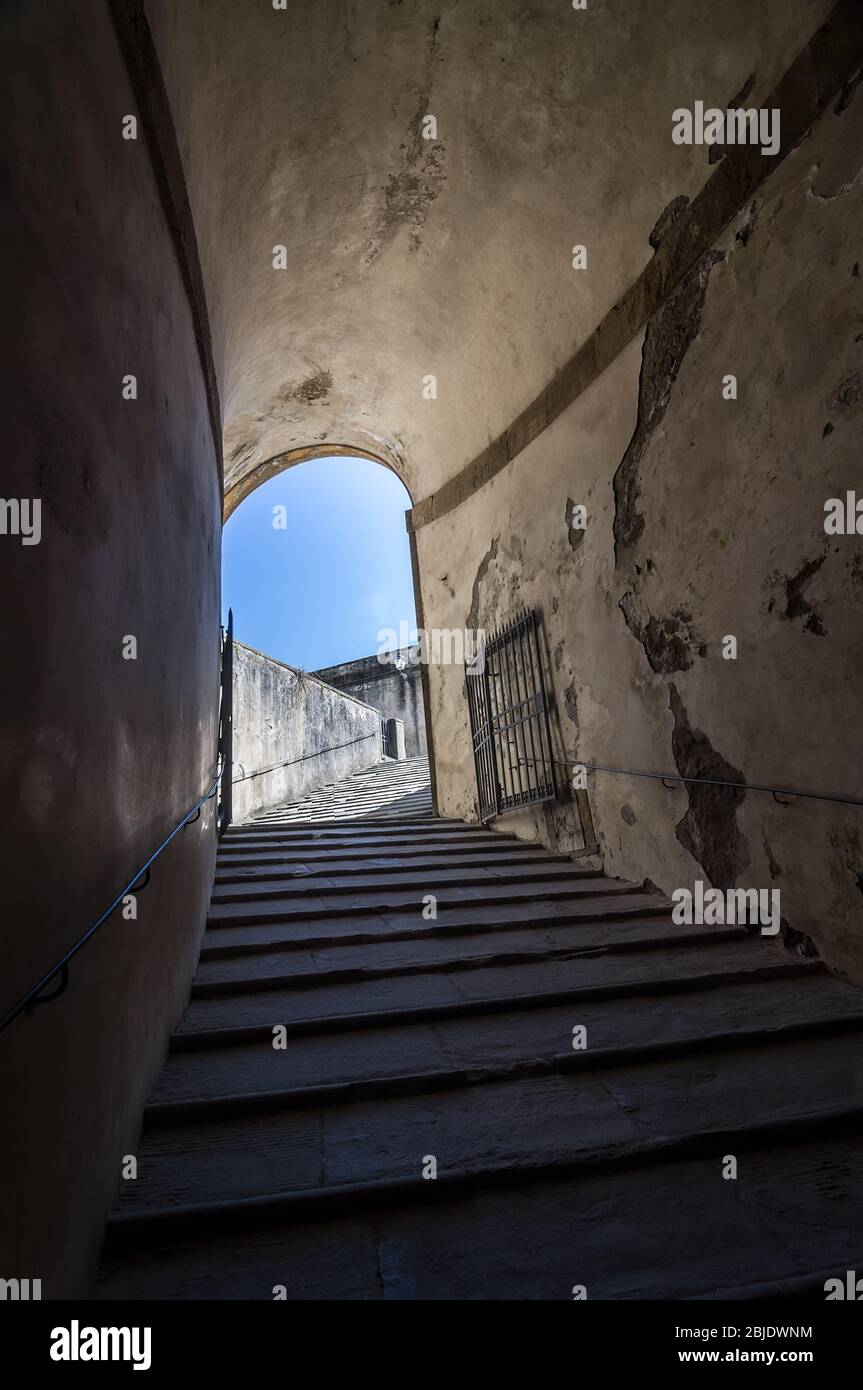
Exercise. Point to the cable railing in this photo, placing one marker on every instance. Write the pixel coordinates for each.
(670, 779)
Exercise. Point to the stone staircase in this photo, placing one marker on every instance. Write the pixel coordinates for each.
(385, 789)
(340, 1047)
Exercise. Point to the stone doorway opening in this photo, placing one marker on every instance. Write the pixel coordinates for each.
(328, 680)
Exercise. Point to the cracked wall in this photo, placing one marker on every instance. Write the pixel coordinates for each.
(705, 521)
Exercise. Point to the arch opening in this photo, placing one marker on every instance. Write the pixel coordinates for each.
(241, 484)
(318, 573)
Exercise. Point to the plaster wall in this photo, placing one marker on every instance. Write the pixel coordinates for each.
(715, 528)
(407, 257)
(397, 694)
(286, 720)
(99, 756)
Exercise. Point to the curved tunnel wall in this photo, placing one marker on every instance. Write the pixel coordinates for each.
(705, 519)
(705, 516)
(101, 755)
(451, 257)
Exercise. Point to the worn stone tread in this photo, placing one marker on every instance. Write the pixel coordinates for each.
(384, 899)
(435, 949)
(273, 886)
(341, 828)
(327, 867)
(408, 1037)
(672, 1231)
(520, 1123)
(409, 851)
(588, 913)
(443, 992)
(489, 1040)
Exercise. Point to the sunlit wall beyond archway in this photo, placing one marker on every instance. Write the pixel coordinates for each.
(316, 563)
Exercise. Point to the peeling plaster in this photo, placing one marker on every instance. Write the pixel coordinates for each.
(669, 643)
(575, 534)
(315, 388)
(472, 623)
(797, 605)
(667, 339)
(412, 188)
(717, 151)
(709, 830)
(570, 705)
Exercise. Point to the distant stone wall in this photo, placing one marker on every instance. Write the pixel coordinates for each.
(305, 732)
(396, 693)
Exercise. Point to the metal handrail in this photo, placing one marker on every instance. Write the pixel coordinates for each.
(61, 968)
(666, 777)
(221, 779)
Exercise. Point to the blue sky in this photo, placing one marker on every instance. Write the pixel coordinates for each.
(319, 591)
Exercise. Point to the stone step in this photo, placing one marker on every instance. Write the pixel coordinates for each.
(362, 902)
(239, 839)
(676, 1231)
(530, 1126)
(234, 1077)
(408, 1037)
(428, 951)
(274, 886)
(407, 801)
(309, 851)
(326, 866)
(380, 825)
(371, 1003)
(589, 912)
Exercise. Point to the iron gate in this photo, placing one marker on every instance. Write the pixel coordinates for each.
(509, 720)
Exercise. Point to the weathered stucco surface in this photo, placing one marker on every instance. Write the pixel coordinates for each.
(395, 691)
(291, 722)
(405, 257)
(730, 541)
(452, 257)
(99, 756)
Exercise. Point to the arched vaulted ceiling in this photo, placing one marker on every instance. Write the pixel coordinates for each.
(451, 257)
